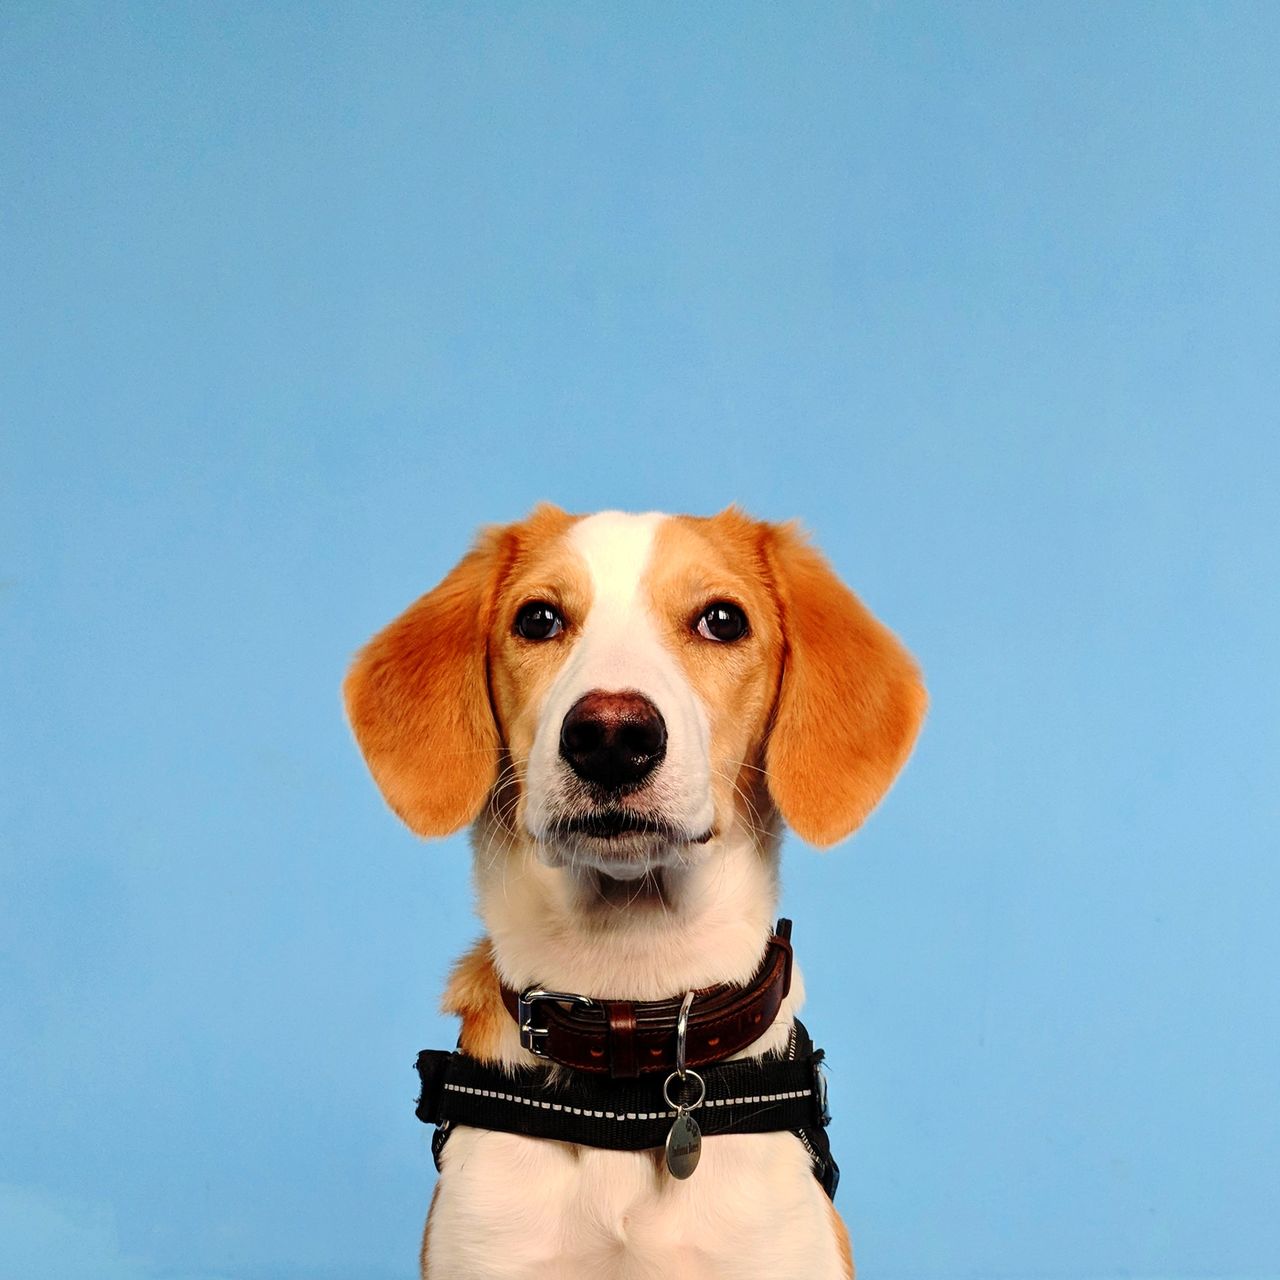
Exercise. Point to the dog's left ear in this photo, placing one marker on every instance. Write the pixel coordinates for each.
(851, 700)
(417, 697)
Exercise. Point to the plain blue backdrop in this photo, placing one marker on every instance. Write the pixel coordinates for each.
(296, 296)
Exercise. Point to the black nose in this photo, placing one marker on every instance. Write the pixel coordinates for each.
(613, 739)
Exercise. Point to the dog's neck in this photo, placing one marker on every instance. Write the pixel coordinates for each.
(711, 926)
(565, 930)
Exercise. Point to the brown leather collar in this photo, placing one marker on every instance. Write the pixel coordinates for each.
(624, 1038)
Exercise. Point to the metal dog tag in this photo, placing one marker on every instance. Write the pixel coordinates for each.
(684, 1146)
(684, 1142)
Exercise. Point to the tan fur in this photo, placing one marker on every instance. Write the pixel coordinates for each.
(418, 700)
(417, 695)
(695, 562)
(851, 701)
(473, 994)
(543, 568)
(842, 1241)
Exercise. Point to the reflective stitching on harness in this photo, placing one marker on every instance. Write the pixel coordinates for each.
(627, 1115)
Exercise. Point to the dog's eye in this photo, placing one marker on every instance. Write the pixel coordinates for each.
(538, 621)
(722, 621)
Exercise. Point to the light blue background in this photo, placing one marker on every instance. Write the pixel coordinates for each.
(295, 297)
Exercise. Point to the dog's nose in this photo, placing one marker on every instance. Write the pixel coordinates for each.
(613, 739)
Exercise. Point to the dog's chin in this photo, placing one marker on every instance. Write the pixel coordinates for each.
(653, 887)
(607, 873)
(606, 862)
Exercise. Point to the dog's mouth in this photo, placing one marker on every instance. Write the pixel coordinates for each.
(617, 824)
(621, 857)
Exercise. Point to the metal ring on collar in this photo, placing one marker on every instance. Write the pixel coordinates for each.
(683, 1106)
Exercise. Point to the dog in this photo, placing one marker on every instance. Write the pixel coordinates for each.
(626, 709)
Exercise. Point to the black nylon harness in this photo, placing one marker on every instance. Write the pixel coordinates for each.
(784, 1091)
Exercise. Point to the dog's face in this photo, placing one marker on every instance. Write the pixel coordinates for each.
(633, 663)
(624, 690)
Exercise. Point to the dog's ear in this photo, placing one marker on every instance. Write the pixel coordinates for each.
(850, 703)
(417, 697)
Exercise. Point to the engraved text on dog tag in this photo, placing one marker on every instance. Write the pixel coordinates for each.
(684, 1146)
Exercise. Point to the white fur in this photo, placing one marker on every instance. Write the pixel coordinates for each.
(518, 1208)
(515, 1207)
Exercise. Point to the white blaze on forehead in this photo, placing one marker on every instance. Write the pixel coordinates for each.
(616, 549)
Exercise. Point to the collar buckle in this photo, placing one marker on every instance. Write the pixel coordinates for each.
(525, 1002)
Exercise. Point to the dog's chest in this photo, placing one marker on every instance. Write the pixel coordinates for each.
(522, 1208)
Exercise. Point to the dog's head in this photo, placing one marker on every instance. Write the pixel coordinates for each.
(623, 689)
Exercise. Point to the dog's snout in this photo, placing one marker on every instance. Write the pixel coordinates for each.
(613, 739)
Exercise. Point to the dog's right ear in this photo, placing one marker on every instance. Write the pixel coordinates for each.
(417, 697)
